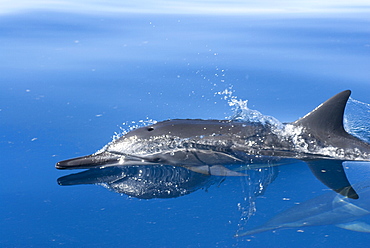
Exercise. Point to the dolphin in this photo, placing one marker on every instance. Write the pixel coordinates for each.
(207, 146)
(327, 209)
(161, 181)
(143, 182)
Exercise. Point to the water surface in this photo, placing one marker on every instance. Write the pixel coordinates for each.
(71, 77)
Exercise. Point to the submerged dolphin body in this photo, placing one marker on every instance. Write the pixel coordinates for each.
(326, 209)
(205, 146)
(143, 182)
(161, 181)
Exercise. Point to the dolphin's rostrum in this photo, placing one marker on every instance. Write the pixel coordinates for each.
(206, 146)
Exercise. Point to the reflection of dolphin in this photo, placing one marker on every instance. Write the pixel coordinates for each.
(327, 209)
(144, 182)
(159, 181)
(204, 146)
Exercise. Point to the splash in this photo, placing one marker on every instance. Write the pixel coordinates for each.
(257, 180)
(356, 122)
(357, 119)
(129, 126)
(125, 128)
(241, 112)
(254, 185)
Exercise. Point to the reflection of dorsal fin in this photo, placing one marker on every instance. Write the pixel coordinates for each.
(331, 173)
(328, 117)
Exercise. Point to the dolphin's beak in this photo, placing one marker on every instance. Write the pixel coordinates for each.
(90, 161)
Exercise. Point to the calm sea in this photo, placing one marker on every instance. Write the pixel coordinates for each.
(71, 77)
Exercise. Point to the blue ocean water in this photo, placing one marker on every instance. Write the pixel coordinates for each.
(71, 79)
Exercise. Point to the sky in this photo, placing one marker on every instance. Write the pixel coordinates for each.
(184, 6)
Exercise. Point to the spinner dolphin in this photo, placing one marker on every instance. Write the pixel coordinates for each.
(326, 209)
(207, 146)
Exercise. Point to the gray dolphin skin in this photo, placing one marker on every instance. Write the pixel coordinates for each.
(207, 146)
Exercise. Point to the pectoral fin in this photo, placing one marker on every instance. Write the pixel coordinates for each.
(215, 170)
(356, 226)
(331, 173)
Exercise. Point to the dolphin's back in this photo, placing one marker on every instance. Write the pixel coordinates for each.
(327, 117)
(325, 123)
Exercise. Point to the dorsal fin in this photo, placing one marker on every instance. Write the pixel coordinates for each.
(328, 117)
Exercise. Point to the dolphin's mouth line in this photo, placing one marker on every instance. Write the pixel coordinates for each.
(133, 157)
(121, 154)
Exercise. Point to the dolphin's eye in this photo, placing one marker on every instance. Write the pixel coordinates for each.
(150, 129)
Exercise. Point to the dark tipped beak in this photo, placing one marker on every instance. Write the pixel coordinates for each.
(91, 161)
